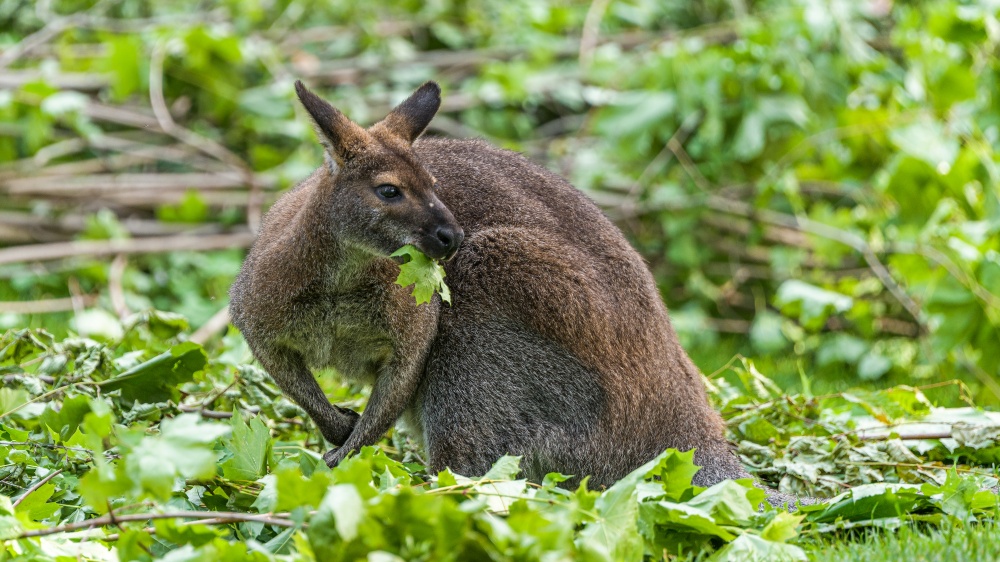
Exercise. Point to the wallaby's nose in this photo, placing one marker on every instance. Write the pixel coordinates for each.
(450, 238)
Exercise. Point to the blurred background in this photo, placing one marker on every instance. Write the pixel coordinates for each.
(814, 183)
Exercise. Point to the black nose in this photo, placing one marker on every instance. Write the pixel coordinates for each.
(450, 238)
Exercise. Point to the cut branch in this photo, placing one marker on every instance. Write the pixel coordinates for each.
(104, 248)
(276, 519)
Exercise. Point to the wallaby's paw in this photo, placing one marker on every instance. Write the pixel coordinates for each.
(341, 428)
(333, 457)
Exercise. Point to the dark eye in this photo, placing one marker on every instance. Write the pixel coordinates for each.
(386, 191)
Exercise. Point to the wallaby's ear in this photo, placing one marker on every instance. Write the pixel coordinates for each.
(411, 117)
(342, 137)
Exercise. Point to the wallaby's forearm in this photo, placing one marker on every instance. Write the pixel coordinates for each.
(289, 371)
(394, 388)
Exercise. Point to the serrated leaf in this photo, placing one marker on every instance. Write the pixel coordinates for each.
(249, 445)
(424, 274)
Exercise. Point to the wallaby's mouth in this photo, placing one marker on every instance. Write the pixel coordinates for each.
(443, 243)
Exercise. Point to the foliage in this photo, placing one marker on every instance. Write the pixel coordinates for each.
(99, 468)
(814, 183)
(424, 274)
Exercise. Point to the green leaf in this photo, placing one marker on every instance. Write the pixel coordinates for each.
(614, 535)
(156, 380)
(675, 471)
(753, 548)
(927, 140)
(782, 528)
(250, 444)
(506, 468)
(426, 275)
(812, 304)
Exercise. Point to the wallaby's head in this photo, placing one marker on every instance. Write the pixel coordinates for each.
(379, 196)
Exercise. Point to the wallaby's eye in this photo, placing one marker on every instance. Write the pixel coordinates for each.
(386, 191)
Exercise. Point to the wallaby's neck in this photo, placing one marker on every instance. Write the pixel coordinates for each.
(341, 264)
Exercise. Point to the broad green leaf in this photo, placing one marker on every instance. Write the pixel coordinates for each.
(506, 468)
(753, 548)
(614, 535)
(782, 528)
(810, 303)
(156, 380)
(927, 140)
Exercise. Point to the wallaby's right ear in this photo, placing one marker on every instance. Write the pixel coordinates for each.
(343, 138)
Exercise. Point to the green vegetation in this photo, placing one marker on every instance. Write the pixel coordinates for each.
(104, 440)
(814, 183)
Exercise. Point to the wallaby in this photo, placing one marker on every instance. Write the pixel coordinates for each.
(556, 347)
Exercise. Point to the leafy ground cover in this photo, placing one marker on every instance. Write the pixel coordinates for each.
(148, 447)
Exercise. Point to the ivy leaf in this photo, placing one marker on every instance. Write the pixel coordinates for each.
(426, 275)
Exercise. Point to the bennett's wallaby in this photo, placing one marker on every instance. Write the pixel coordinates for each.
(556, 347)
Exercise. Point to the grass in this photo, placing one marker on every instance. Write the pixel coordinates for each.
(968, 543)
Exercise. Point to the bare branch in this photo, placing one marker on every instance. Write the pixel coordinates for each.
(36, 486)
(210, 329)
(210, 517)
(43, 306)
(103, 248)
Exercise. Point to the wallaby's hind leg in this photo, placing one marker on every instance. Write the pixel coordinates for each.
(484, 396)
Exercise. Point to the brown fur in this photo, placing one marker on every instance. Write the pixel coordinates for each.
(557, 346)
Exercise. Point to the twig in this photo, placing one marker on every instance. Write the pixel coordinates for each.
(212, 414)
(591, 29)
(911, 437)
(276, 519)
(204, 144)
(115, 275)
(660, 161)
(38, 38)
(215, 324)
(89, 185)
(45, 305)
(36, 486)
(103, 248)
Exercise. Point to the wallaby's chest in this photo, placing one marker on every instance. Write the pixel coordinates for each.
(344, 329)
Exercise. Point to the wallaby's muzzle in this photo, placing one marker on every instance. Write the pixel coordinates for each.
(442, 243)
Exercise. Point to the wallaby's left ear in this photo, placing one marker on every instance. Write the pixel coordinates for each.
(411, 117)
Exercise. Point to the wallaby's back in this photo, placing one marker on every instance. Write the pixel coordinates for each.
(569, 330)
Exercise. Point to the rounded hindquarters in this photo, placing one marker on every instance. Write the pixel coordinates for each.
(491, 389)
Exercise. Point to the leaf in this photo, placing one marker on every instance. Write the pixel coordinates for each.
(812, 304)
(615, 534)
(765, 332)
(783, 527)
(927, 140)
(156, 380)
(675, 471)
(10, 526)
(336, 521)
(752, 548)
(250, 444)
(506, 468)
(426, 275)
(728, 502)
(868, 501)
